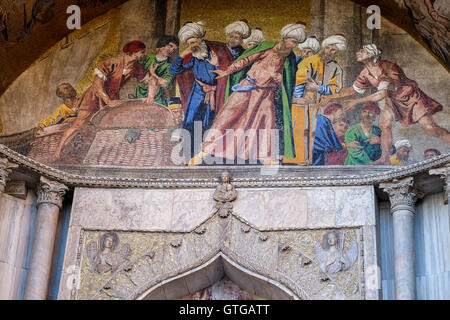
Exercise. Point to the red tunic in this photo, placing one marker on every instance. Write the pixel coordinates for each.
(249, 112)
(337, 157)
(114, 76)
(406, 100)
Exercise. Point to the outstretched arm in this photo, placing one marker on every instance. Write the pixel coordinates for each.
(375, 97)
(344, 93)
(237, 65)
(160, 81)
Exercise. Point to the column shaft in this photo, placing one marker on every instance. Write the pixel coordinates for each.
(404, 254)
(41, 257)
(403, 196)
(49, 202)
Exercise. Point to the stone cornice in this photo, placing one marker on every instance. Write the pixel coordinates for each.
(5, 170)
(444, 173)
(306, 176)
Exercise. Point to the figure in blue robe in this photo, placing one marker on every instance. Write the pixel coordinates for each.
(325, 140)
(196, 108)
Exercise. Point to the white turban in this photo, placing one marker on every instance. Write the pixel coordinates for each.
(310, 43)
(256, 36)
(338, 40)
(191, 30)
(240, 27)
(294, 30)
(402, 143)
(373, 51)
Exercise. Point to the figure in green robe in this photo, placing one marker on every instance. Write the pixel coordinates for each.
(141, 90)
(166, 46)
(368, 152)
(367, 135)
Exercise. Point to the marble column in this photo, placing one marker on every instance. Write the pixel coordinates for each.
(49, 201)
(444, 172)
(403, 196)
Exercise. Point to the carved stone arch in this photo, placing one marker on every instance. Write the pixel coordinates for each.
(212, 271)
(284, 259)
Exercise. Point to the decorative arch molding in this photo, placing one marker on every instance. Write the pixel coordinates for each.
(216, 268)
(285, 259)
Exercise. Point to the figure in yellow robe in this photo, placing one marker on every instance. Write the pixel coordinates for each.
(62, 112)
(396, 162)
(328, 77)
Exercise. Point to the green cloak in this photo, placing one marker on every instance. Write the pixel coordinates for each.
(141, 90)
(283, 106)
(369, 153)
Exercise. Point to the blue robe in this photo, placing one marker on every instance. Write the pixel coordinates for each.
(235, 52)
(196, 108)
(325, 140)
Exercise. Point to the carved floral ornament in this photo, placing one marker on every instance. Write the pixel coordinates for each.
(126, 271)
(402, 192)
(5, 170)
(50, 191)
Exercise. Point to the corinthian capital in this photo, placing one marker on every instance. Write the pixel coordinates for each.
(401, 193)
(444, 172)
(5, 170)
(51, 192)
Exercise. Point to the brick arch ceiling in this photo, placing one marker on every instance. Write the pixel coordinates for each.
(15, 59)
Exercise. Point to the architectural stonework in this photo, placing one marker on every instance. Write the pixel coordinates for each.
(444, 173)
(193, 178)
(289, 258)
(321, 254)
(5, 170)
(401, 192)
(51, 192)
(186, 149)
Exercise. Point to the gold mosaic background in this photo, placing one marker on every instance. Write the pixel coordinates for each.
(270, 16)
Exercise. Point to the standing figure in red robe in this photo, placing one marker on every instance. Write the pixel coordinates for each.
(251, 108)
(110, 76)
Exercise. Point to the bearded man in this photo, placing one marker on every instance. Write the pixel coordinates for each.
(201, 94)
(367, 136)
(252, 107)
(319, 74)
(326, 140)
(338, 157)
(401, 156)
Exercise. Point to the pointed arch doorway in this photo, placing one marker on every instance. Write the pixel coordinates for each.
(218, 278)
